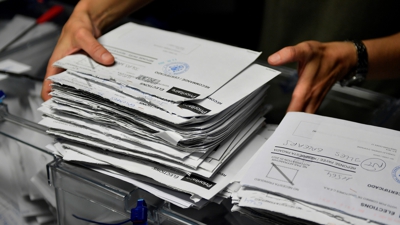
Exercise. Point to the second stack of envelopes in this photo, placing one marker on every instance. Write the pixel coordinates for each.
(172, 108)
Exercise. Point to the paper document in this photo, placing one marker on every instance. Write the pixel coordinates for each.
(177, 179)
(13, 66)
(175, 197)
(16, 27)
(173, 66)
(236, 89)
(273, 205)
(337, 164)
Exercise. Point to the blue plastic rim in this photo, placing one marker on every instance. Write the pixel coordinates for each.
(2, 96)
(139, 214)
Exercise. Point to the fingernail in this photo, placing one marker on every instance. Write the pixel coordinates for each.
(106, 57)
(274, 58)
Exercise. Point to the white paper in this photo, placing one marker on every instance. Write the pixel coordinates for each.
(231, 144)
(171, 65)
(334, 163)
(237, 89)
(203, 187)
(260, 200)
(265, 132)
(60, 125)
(246, 82)
(3, 76)
(15, 28)
(177, 198)
(209, 133)
(189, 164)
(13, 66)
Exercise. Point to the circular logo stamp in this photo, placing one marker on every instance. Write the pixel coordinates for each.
(373, 165)
(396, 174)
(175, 68)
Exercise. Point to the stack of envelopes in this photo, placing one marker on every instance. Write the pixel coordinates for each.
(321, 170)
(171, 111)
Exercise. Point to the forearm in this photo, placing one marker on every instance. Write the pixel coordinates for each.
(383, 57)
(106, 12)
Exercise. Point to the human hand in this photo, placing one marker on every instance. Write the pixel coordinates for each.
(78, 33)
(320, 65)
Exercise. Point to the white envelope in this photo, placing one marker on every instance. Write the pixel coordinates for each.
(172, 66)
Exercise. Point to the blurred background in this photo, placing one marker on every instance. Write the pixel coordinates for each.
(262, 25)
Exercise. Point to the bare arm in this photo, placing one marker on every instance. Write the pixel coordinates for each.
(86, 23)
(384, 57)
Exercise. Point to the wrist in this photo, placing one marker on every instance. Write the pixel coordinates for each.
(359, 69)
(342, 56)
(97, 13)
(106, 12)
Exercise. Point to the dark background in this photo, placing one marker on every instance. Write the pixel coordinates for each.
(232, 22)
(259, 25)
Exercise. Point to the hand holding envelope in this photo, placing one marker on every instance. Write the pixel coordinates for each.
(172, 108)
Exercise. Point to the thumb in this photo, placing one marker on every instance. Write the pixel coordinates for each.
(298, 53)
(92, 47)
(283, 56)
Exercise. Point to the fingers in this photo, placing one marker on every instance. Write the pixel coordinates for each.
(308, 85)
(90, 45)
(78, 34)
(46, 86)
(57, 54)
(298, 53)
(308, 102)
(313, 85)
(46, 89)
(302, 93)
(319, 93)
(283, 56)
(317, 71)
(68, 44)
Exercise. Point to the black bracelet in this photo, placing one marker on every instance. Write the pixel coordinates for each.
(359, 73)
